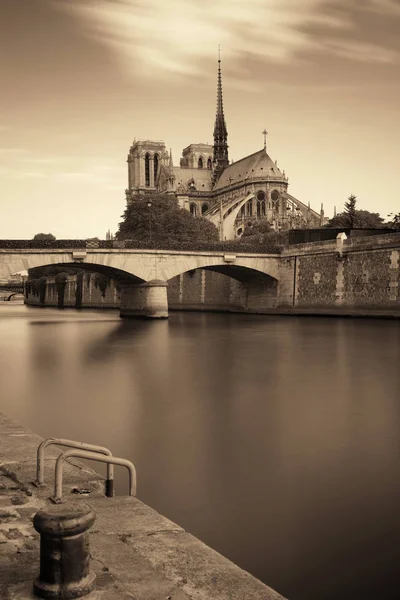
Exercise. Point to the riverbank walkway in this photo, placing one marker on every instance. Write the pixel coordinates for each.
(136, 553)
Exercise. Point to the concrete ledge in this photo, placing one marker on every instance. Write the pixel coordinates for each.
(136, 552)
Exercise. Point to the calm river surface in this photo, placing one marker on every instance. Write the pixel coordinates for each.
(275, 440)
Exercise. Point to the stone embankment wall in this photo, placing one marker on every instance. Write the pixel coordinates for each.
(135, 551)
(357, 275)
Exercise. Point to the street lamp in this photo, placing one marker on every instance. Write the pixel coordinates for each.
(149, 207)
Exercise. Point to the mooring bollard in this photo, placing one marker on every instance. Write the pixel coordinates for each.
(64, 551)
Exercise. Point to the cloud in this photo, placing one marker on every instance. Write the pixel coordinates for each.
(171, 37)
(175, 39)
(361, 30)
(18, 163)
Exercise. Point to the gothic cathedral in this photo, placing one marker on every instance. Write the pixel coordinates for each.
(229, 195)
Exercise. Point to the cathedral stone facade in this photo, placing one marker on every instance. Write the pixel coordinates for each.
(230, 195)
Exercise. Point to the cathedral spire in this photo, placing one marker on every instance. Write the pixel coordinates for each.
(220, 132)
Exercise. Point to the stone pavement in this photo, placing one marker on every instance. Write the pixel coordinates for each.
(137, 554)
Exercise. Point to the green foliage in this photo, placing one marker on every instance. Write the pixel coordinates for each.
(352, 218)
(350, 210)
(163, 222)
(256, 228)
(394, 223)
(44, 236)
(101, 282)
(362, 219)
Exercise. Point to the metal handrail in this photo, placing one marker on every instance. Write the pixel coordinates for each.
(57, 498)
(73, 444)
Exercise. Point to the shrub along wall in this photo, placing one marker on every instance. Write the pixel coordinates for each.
(268, 243)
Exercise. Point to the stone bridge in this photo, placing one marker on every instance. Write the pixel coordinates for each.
(143, 274)
(11, 289)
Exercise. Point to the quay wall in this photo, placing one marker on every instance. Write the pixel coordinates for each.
(356, 276)
(135, 551)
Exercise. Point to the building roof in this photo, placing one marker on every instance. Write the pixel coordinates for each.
(200, 177)
(258, 165)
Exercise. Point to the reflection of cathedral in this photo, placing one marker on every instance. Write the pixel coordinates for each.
(229, 195)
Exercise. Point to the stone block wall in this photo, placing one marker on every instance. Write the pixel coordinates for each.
(205, 290)
(367, 278)
(361, 278)
(316, 279)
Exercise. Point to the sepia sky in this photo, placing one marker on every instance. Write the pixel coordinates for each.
(81, 78)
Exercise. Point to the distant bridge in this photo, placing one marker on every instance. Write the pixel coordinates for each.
(14, 288)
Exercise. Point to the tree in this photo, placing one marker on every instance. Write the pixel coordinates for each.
(395, 221)
(44, 236)
(256, 228)
(351, 217)
(362, 219)
(157, 219)
(350, 210)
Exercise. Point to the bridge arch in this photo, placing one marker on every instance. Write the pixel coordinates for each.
(238, 272)
(232, 288)
(120, 276)
(14, 294)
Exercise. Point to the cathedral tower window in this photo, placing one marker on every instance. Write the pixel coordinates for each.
(209, 163)
(193, 209)
(204, 208)
(147, 170)
(200, 163)
(155, 167)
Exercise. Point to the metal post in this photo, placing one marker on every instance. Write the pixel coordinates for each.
(72, 444)
(64, 551)
(57, 498)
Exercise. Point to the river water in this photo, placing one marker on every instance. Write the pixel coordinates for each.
(275, 440)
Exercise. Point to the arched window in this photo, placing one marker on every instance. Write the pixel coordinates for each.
(204, 208)
(155, 168)
(209, 163)
(200, 163)
(260, 204)
(147, 170)
(193, 209)
(274, 195)
(249, 208)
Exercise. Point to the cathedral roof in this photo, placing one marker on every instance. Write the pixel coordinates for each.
(258, 165)
(201, 179)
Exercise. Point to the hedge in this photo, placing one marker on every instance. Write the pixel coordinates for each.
(261, 244)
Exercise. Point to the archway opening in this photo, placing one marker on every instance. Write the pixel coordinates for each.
(77, 285)
(223, 288)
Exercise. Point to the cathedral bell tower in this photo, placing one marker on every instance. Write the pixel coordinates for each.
(145, 159)
(220, 132)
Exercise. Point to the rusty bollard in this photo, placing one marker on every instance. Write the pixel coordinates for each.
(64, 551)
